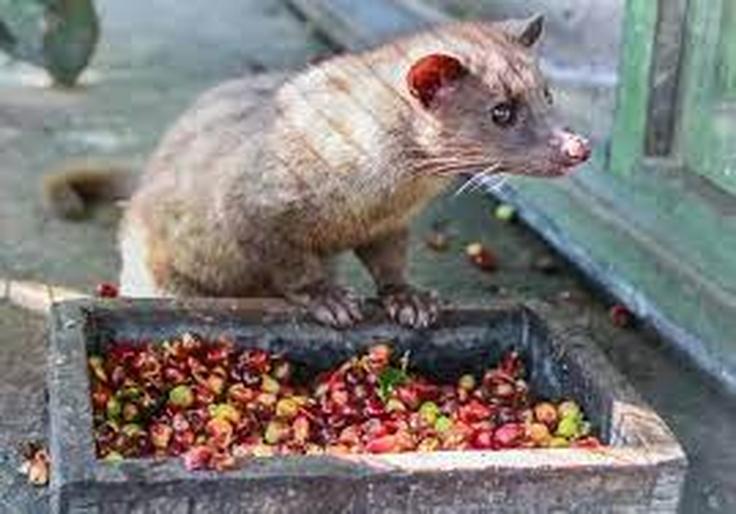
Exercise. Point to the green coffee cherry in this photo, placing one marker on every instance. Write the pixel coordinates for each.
(505, 212)
(568, 427)
(181, 396)
(558, 442)
(443, 424)
(429, 411)
(113, 408)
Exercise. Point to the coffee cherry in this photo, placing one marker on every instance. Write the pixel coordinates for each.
(350, 435)
(130, 412)
(546, 413)
(174, 375)
(219, 432)
(221, 460)
(508, 435)
(225, 411)
(263, 450)
(282, 371)
(270, 385)
(505, 212)
(466, 382)
(181, 396)
(558, 442)
(443, 424)
(379, 357)
(474, 411)
(216, 384)
(198, 457)
(240, 395)
(160, 435)
(100, 396)
(256, 361)
(586, 442)
(503, 390)
(287, 408)
(267, 400)
(429, 444)
(429, 412)
(483, 440)
(568, 409)
(395, 405)
(481, 257)
(301, 429)
(568, 427)
(620, 316)
(409, 397)
(113, 409)
(107, 290)
(275, 432)
(96, 365)
(538, 433)
(385, 444)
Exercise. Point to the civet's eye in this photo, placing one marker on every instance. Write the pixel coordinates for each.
(504, 114)
(548, 96)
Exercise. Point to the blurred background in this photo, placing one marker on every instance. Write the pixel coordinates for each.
(649, 225)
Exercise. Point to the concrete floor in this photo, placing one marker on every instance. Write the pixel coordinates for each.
(155, 57)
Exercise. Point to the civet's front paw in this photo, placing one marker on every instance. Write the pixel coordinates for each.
(330, 305)
(410, 307)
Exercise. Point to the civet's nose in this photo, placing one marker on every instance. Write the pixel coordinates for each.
(575, 149)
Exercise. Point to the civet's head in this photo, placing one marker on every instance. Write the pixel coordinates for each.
(485, 103)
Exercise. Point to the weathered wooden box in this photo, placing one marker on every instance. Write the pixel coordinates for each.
(642, 470)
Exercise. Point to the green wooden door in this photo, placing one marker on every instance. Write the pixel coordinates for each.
(708, 137)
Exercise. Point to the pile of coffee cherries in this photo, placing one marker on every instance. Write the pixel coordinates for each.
(213, 404)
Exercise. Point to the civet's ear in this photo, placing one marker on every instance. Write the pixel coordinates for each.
(431, 74)
(525, 32)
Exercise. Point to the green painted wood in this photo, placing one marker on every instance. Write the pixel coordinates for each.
(679, 211)
(708, 120)
(727, 52)
(630, 124)
(700, 55)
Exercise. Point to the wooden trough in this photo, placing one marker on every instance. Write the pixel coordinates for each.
(641, 470)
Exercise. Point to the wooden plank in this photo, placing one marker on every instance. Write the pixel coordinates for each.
(629, 128)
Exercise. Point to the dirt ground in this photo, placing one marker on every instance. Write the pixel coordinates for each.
(156, 55)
